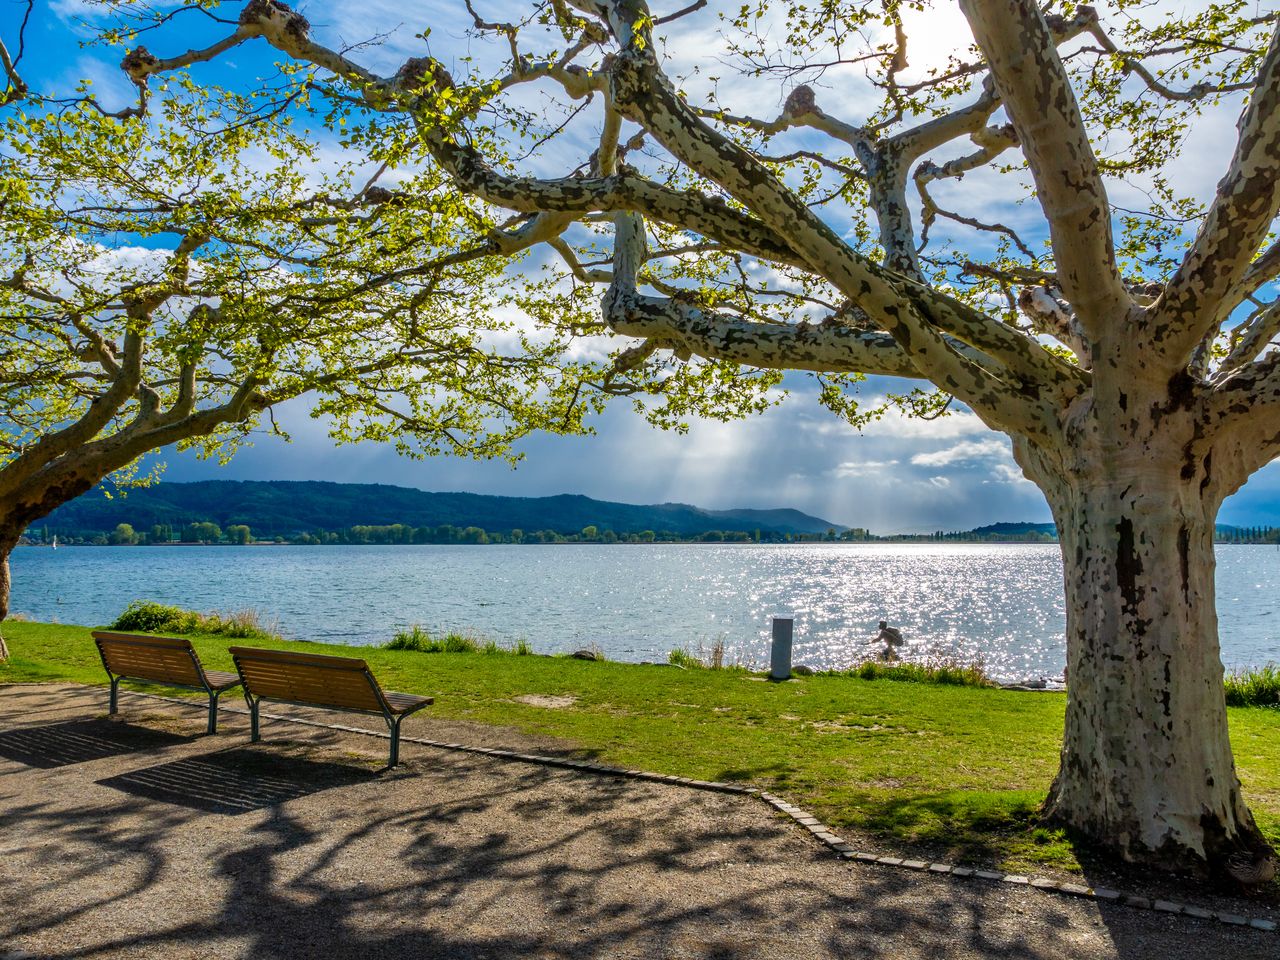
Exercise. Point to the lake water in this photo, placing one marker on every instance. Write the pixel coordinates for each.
(1001, 603)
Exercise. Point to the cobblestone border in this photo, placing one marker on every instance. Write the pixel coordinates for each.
(801, 817)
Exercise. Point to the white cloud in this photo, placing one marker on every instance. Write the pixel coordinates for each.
(965, 452)
(1007, 473)
(894, 425)
(862, 468)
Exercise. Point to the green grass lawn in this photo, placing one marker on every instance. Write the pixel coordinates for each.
(954, 772)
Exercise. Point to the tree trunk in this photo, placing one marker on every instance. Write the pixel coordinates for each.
(27, 504)
(1146, 766)
(5, 549)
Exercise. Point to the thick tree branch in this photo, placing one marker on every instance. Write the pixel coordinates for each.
(15, 87)
(1037, 94)
(800, 110)
(1198, 297)
(969, 121)
(1245, 407)
(684, 328)
(1262, 271)
(1051, 316)
(50, 448)
(66, 477)
(1250, 339)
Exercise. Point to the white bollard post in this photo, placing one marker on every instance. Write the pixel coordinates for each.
(780, 654)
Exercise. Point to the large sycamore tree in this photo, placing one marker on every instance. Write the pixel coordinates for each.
(1124, 348)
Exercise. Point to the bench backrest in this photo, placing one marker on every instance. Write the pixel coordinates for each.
(325, 681)
(163, 659)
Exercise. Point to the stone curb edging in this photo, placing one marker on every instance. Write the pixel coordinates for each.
(801, 817)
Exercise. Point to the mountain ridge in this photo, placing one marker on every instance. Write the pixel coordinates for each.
(285, 507)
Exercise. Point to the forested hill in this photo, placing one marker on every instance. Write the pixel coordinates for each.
(994, 530)
(1223, 532)
(285, 508)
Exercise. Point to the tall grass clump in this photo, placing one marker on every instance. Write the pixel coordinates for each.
(520, 648)
(703, 659)
(145, 616)
(246, 623)
(940, 670)
(420, 641)
(417, 639)
(1256, 687)
(681, 657)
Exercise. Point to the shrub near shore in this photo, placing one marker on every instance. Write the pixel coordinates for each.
(1259, 687)
(143, 616)
(953, 772)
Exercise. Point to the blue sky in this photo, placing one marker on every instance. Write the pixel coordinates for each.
(896, 475)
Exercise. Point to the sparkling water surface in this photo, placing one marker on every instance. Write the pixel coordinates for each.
(998, 603)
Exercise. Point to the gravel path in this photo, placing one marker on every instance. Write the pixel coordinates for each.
(143, 838)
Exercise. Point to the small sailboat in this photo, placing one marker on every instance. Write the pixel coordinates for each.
(54, 544)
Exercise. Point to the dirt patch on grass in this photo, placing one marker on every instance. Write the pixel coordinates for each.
(835, 726)
(547, 700)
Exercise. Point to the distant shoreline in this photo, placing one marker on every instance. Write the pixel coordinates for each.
(571, 543)
(623, 543)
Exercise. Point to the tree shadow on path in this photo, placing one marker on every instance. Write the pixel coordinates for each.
(80, 741)
(235, 781)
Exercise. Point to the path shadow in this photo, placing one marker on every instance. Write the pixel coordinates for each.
(79, 741)
(1143, 885)
(235, 781)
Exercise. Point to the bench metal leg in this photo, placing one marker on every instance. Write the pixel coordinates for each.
(115, 696)
(395, 740)
(254, 736)
(213, 711)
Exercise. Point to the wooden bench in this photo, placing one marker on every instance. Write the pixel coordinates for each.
(315, 680)
(168, 660)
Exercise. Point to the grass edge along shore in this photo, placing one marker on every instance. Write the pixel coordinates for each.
(949, 771)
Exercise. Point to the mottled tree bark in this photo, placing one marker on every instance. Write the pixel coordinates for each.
(6, 547)
(1146, 765)
(29, 498)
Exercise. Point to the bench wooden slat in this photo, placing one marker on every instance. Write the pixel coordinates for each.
(403, 702)
(295, 658)
(143, 639)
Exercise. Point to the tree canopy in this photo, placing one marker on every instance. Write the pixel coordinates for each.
(841, 157)
(171, 276)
